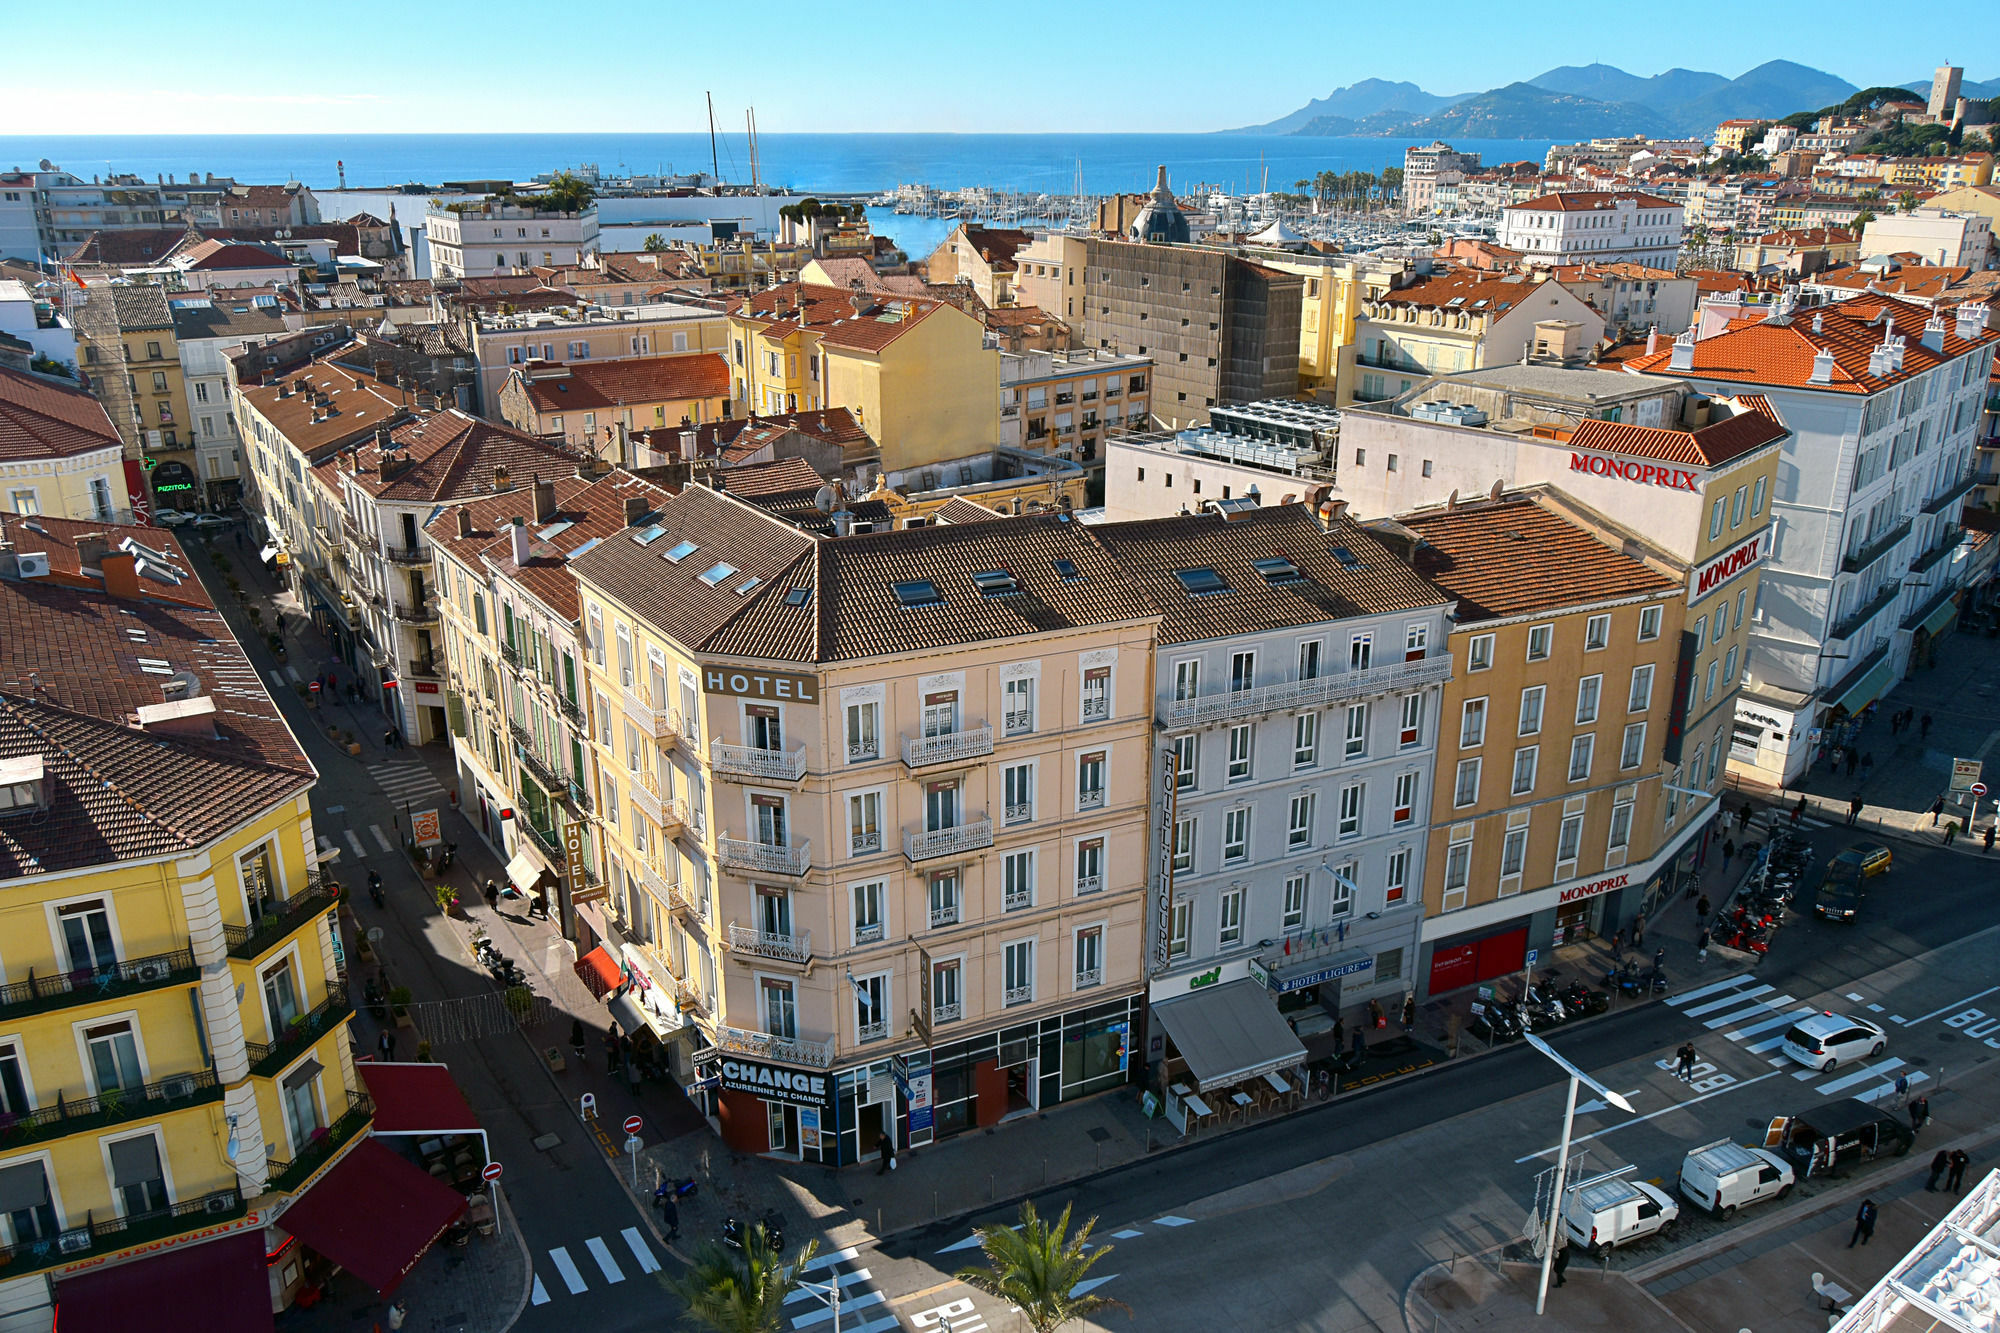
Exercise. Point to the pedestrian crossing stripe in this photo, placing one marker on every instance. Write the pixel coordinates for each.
(843, 1280)
(1713, 988)
(824, 1314)
(605, 1263)
(354, 841)
(406, 781)
(567, 1267)
(541, 1293)
(381, 838)
(640, 1251)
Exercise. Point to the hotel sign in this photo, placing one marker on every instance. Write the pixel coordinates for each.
(787, 686)
(1747, 554)
(1644, 474)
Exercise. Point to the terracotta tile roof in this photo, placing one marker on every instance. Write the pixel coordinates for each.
(447, 458)
(1515, 556)
(409, 291)
(880, 325)
(734, 438)
(1780, 351)
(584, 386)
(1599, 272)
(1711, 446)
(167, 575)
(960, 510)
(1501, 292)
(997, 245)
(75, 666)
(586, 511)
(860, 275)
(41, 419)
(1911, 281)
(137, 247)
(356, 403)
(1804, 237)
(786, 476)
(775, 310)
(219, 255)
(1327, 587)
(1581, 201)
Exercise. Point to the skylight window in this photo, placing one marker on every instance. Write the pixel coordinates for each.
(1066, 569)
(1347, 557)
(1201, 582)
(1276, 569)
(678, 552)
(647, 536)
(745, 588)
(590, 545)
(798, 597)
(716, 573)
(554, 530)
(995, 583)
(917, 592)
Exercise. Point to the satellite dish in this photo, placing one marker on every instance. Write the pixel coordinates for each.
(823, 499)
(182, 685)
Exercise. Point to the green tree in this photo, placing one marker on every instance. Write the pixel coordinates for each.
(1036, 1268)
(728, 1292)
(1862, 219)
(656, 242)
(567, 192)
(1908, 200)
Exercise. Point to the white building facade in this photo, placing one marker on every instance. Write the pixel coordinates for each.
(1595, 226)
(493, 237)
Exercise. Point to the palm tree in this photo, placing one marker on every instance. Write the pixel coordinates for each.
(656, 242)
(739, 1293)
(1036, 1268)
(1909, 200)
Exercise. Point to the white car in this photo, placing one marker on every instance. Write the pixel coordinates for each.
(1824, 1040)
(202, 521)
(171, 518)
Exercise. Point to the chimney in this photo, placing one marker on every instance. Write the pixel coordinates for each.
(500, 480)
(121, 573)
(519, 536)
(689, 441)
(1933, 337)
(1880, 361)
(1683, 356)
(192, 716)
(464, 516)
(636, 508)
(545, 500)
(1822, 367)
(1653, 340)
(843, 522)
(383, 440)
(90, 549)
(1971, 319)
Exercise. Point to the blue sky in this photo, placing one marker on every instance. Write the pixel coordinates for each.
(1163, 65)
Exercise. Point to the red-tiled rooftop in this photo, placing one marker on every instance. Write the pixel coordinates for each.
(1515, 556)
(590, 385)
(43, 419)
(1712, 445)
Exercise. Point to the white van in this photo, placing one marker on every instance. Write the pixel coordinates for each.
(1722, 1176)
(1609, 1211)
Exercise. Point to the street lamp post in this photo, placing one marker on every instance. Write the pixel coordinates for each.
(828, 1294)
(1576, 1076)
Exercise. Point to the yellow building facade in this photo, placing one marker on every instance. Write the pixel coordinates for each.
(920, 379)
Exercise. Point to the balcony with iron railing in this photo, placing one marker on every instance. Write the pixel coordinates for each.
(547, 839)
(1096, 707)
(1089, 976)
(1014, 995)
(948, 747)
(783, 1050)
(875, 1031)
(569, 708)
(1943, 547)
(1089, 884)
(413, 611)
(1090, 798)
(662, 810)
(323, 1144)
(267, 1058)
(788, 948)
(749, 761)
(545, 773)
(65, 1115)
(967, 837)
(872, 933)
(113, 1234)
(652, 716)
(1951, 494)
(407, 555)
(1857, 620)
(1867, 555)
(1017, 900)
(946, 914)
(764, 857)
(1312, 692)
(431, 668)
(278, 920)
(129, 976)
(947, 1013)
(864, 842)
(861, 751)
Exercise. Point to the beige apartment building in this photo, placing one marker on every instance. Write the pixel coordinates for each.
(1560, 751)
(874, 815)
(503, 342)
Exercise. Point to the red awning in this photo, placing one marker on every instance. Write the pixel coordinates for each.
(600, 972)
(218, 1286)
(374, 1214)
(416, 1099)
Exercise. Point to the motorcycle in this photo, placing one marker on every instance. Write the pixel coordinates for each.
(672, 1188)
(1496, 1024)
(446, 856)
(375, 888)
(773, 1224)
(1543, 1009)
(373, 999)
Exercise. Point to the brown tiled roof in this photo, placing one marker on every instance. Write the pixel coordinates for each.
(590, 385)
(775, 310)
(1329, 587)
(40, 419)
(448, 458)
(1501, 292)
(958, 509)
(1599, 272)
(75, 666)
(213, 254)
(1804, 237)
(784, 477)
(167, 575)
(1780, 351)
(357, 404)
(997, 245)
(1710, 446)
(1911, 281)
(881, 324)
(1582, 201)
(138, 246)
(1515, 556)
(409, 291)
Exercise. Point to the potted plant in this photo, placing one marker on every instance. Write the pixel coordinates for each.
(399, 1006)
(520, 1002)
(447, 899)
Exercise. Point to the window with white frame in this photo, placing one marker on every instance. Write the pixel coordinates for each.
(1018, 793)
(1581, 750)
(1465, 785)
(1589, 692)
(1513, 859)
(1472, 724)
(1633, 747)
(1621, 825)
(1299, 827)
(1096, 700)
(864, 823)
(1017, 705)
(1242, 671)
(1180, 925)
(1239, 753)
(1089, 865)
(1355, 741)
(1184, 844)
(1640, 697)
(864, 731)
(1457, 870)
(1569, 840)
(871, 1007)
(1596, 633)
(1017, 874)
(1187, 680)
(1295, 901)
(1018, 965)
(1360, 652)
(946, 898)
(1404, 807)
(1416, 641)
(1649, 623)
(1090, 767)
(1235, 834)
(1531, 710)
(1305, 740)
(869, 923)
(1350, 810)
(1229, 928)
(1309, 658)
(1479, 653)
(1396, 878)
(1089, 956)
(1186, 751)
(1541, 641)
(1343, 890)
(1412, 731)
(1525, 760)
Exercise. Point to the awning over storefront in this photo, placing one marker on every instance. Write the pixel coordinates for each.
(1945, 612)
(218, 1286)
(1299, 974)
(416, 1099)
(1230, 1033)
(268, 554)
(1866, 688)
(600, 972)
(629, 1015)
(374, 1214)
(524, 872)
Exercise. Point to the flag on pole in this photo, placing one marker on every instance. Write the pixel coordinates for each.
(70, 273)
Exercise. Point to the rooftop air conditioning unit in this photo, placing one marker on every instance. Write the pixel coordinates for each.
(32, 564)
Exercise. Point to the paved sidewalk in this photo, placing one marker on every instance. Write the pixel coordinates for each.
(483, 1285)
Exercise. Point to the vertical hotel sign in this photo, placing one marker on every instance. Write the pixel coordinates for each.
(1169, 782)
(579, 889)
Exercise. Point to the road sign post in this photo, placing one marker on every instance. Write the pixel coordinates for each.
(633, 1124)
(632, 1147)
(492, 1175)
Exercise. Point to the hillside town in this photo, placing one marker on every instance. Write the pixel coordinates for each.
(854, 740)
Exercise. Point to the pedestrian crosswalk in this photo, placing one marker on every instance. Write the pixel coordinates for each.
(408, 782)
(863, 1309)
(569, 1274)
(1755, 1016)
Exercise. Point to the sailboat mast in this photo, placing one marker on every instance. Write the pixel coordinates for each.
(714, 164)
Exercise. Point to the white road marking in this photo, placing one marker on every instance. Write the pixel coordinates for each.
(1738, 998)
(355, 843)
(541, 1296)
(1782, 1020)
(1925, 1018)
(891, 1322)
(1675, 1001)
(571, 1278)
(293, 676)
(1780, 1061)
(1877, 1094)
(968, 1243)
(602, 1253)
(1171, 1221)
(1762, 1007)
(640, 1250)
(1874, 1008)
(844, 1279)
(381, 838)
(277, 681)
(1768, 1044)
(1858, 1076)
(1641, 1119)
(833, 1257)
(1897, 1018)
(825, 1315)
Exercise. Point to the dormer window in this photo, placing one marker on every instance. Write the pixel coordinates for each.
(22, 786)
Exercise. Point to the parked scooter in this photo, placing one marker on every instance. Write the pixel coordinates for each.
(375, 888)
(772, 1222)
(1583, 1001)
(1497, 1024)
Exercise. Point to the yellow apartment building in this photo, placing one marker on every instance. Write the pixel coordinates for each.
(127, 350)
(873, 811)
(774, 360)
(920, 379)
(62, 456)
(175, 1065)
(584, 404)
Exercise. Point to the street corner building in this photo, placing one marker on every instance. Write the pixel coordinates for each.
(873, 815)
(174, 1064)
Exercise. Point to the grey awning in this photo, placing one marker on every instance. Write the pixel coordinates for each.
(1311, 972)
(135, 1161)
(1230, 1034)
(304, 1074)
(630, 1017)
(22, 1187)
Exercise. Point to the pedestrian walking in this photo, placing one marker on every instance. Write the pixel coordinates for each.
(1864, 1223)
(1867, 765)
(1854, 809)
(888, 1155)
(576, 1042)
(386, 1044)
(1937, 808)
(1561, 1259)
(1799, 810)
(1618, 943)
(1660, 958)
(1639, 931)
(1701, 909)
(1701, 946)
(1684, 1065)
(1728, 853)
(389, 739)
(492, 894)
(1959, 1161)
(397, 1314)
(1938, 1165)
(1851, 761)
(611, 1048)
(1920, 1113)
(1743, 817)
(1409, 1012)
(1989, 835)
(670, 1216)
(1924, 727)
(1950, 831)
(1339, 1032)
(1358, 1043)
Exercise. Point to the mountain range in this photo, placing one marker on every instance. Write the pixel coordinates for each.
(1573, 101)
